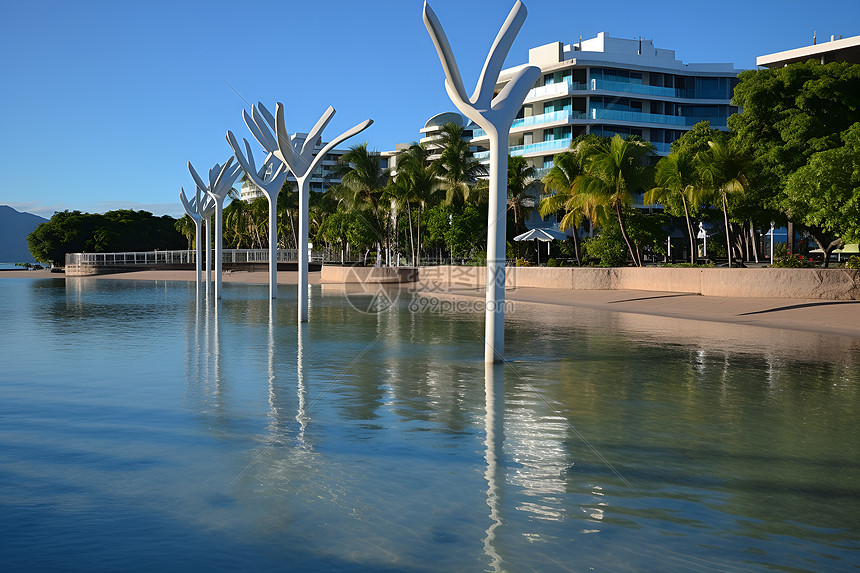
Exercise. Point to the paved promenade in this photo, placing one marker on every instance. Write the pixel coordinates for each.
(820, 316)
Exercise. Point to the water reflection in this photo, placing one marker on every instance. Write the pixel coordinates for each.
(494, 427)
(736, 441)
(301, 387)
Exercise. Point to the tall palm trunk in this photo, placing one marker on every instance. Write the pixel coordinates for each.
(411, 234)
(689, 231)
(726, 218)
(418, 240)
(633, 252)
(754, 240)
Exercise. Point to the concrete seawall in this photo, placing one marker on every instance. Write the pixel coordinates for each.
(826, 284)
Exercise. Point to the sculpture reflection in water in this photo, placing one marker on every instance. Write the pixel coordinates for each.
(494, 387)
(203, 361)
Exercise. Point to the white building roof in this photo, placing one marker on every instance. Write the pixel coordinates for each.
(836, 50)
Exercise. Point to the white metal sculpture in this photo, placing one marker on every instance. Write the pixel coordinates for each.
(495, 116)
(191, 208)
(207, 212)
(200, 209)
(269, 178)
(300, 159)
(221, 179)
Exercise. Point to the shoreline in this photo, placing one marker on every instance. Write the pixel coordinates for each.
(836, 317)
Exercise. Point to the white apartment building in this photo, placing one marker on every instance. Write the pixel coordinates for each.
(322, 177)
(608, 85)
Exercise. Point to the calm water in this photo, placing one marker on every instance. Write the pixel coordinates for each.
(139, 431)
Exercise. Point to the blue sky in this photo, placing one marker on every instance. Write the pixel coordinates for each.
(104, 102)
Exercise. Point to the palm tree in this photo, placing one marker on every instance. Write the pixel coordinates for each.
(288, 204)
(566, 168)
(236, 219)
(614, 170)
(722, 169)
(416, 174)
(259, 221)
(320, 207)
(520, 179)
(456, 165)
(676, 177)
(187, 227)
(362, 184)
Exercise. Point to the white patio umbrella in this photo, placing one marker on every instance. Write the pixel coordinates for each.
(545, 235)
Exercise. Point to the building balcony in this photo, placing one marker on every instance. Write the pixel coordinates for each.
(552, 91)
(603, 115)
(541, 172)
(631, 88)
(562, 117)
(553, 147)
(569, 87)
(533, 148)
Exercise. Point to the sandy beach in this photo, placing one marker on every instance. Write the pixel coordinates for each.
(808, 315)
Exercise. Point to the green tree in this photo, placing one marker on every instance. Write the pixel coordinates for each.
(520, 180)
(123, 230)
(456, 165)
(615, 171)
(827, 191)
(560, 183)
(187, 227)
(790, 114)
(363, 182)
(722, 170)
(676, 178)
(415, 173)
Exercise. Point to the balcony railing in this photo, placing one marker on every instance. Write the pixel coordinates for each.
(628, 87)
(563, 88)
(544, 118)
(543, 146)
(639, 117)
(541, 172)
(568, 86)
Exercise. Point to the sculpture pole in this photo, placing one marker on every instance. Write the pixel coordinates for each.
(192, 211)
(206, 210)
(209, 252)
(495, 115)
(300, 159)
(221, 179)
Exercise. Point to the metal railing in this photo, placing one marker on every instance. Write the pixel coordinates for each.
(155, 258)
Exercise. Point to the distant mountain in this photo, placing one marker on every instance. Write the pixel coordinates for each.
(14, 228)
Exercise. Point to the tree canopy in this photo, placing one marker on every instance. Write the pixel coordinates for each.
(115, 231)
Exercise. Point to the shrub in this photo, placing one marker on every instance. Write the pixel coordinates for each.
(790, 261)
(552, 263)
(520, 262)
(707, 265)
(853, 262)
(608, 248)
